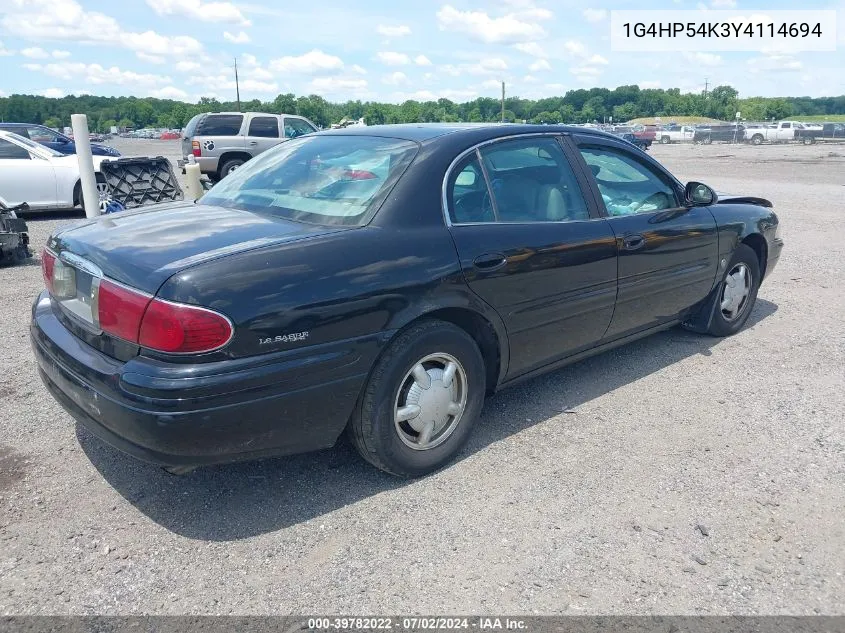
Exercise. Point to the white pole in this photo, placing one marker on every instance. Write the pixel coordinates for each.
(90, 199)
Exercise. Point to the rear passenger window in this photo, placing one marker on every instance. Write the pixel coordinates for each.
(220, 125)
(296, 127)
(264, 127)
(531, 181)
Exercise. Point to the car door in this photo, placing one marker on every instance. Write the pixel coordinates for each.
(533, 247)
(262, 134)
(668, 252)
(25, 177)
(47, 137)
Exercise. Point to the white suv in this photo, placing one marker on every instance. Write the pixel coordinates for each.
(223, 141)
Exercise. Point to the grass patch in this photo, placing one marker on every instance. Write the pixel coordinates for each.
(831, 118)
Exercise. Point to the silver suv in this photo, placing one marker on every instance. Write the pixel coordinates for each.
(223, 141)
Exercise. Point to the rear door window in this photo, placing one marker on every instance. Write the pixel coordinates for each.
(221, 125)
(264, 127)
(297, 127)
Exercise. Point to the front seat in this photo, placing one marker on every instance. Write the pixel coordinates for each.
(551, 204)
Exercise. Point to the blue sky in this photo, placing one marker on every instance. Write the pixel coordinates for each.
(384, 50)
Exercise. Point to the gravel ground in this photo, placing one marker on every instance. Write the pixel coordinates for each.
(678, 475)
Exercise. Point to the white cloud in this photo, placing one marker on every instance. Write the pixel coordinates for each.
(66, 20)
(594, 15)
(531, 48)
(422, 60)
(488, 66)
(150, 59)
(169, 92)
(261, 74)
(419, 95)
(647, 85)
(35, 53)
(584, 71)
(4, 52)
(723, 4)
(539, 65)
(573, 47)
(774, 63)
(310, 63)
(703, 59)
(390, 58)
(225, 83)
(491, 84)
(187, 66)
(338, 85)
(200, 11)
(97, 75)
(359, 69)
(530, 79)
(53, 93)
(236, 38)
(555, 87)
(508, 29)
(598, 59)
(395, 79)
(61, 54)
(494, 63)
(393, 31)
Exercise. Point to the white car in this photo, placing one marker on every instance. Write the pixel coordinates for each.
(42, 177)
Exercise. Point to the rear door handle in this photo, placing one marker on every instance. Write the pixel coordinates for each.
(489, 262)
(633, 242)
(253, 142)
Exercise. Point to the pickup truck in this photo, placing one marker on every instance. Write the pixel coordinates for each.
(645, 134)
(782, 132)
(723, 132)
(676, 134)
(810, 134)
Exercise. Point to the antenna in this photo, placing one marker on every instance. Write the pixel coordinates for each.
(237, 85)
(503, 102)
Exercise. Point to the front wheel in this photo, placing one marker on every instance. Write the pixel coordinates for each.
(735, 296)
(808, 140)
(664, 140)
(421, 400)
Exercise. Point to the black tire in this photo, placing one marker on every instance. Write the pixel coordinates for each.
(707, 140)
(229, 166)
(720, 325)
(372, 429)
(756, 140)
(808, 140)
(77, 195)
(665, 140)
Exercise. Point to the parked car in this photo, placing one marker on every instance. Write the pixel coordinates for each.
(782, 132)
(224, 141)
(676, 134)
(41, 177)
(809, 134)
(381, 280)
(723, 133)
(645, 134)
(633, 140)
(54, 140)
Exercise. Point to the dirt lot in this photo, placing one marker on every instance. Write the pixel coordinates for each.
(580, 492)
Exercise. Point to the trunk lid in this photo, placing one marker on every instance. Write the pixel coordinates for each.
(143, 248)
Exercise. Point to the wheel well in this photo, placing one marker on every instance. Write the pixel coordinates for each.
(758, 244)
(229, 156)
(482, 332)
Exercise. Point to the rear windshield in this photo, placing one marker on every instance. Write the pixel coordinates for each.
(220, 125)
(192, 125)
(318, 179)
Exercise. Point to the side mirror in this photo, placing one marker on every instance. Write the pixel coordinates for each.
(697, 194)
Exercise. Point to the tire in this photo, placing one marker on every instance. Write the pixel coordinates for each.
(229, 166)
(394, 445)
(665, 140)
(721, 323)
(756, 140)
(77, 192)
(808, 140)
(707, 140)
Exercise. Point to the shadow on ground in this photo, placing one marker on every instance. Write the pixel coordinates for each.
(241, 500)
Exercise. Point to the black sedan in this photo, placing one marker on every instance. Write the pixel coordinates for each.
(380, 281)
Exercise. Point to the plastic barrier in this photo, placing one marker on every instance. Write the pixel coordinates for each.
(135, 182)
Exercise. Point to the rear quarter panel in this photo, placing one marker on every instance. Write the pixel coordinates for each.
(336, 287)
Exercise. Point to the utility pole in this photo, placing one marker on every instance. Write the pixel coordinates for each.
(237, 85)
(706, 85)
(503, 102)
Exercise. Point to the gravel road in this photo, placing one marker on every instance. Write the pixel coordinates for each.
(678, 475)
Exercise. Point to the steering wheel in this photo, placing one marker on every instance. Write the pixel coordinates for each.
(659, 199)
(466, 211)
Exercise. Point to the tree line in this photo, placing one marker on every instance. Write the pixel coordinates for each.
(576, 106)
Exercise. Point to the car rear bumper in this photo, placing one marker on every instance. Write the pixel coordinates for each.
(165, 413)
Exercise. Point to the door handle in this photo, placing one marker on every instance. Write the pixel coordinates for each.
(253, 142)
(633, 242)
(489, 262)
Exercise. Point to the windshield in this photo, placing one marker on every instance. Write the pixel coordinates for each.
(318, 179)
(35, 147)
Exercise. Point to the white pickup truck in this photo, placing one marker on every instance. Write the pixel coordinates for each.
(676, 134)
(782, 132)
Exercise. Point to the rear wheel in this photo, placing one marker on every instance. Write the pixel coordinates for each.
(808, 140)
(664, 140)
(103, 192)
(757, 139)
(229, 166)
(421, 401)
(735, 296)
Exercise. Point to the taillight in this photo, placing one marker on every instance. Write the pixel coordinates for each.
(179, 328)
(196, 150)
(48, 263)
(157, 324)
(120, 310)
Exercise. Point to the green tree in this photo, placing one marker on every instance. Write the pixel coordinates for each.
(53, 122)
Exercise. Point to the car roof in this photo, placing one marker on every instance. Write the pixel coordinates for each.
(421, 132)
